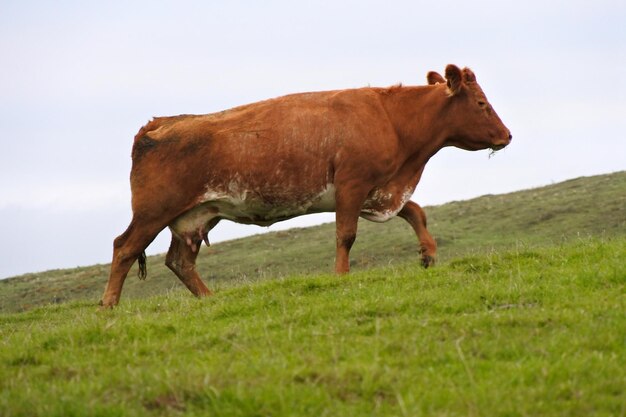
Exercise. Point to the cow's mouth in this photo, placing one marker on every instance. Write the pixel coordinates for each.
(498, 147)
(502, 144)
(495, 148)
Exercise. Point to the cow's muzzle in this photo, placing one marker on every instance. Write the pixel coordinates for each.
(504, 143)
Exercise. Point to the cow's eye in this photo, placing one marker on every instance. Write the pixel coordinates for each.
(482, 103)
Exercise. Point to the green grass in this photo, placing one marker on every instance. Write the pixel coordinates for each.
(530, 330)
(590, 206)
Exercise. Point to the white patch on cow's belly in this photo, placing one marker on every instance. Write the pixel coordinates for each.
(385, 199)
(245, 206)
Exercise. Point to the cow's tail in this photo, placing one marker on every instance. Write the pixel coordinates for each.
(143, 268)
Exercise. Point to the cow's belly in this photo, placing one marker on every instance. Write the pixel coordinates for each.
(252, 207)
(269, 207)
(266, 208)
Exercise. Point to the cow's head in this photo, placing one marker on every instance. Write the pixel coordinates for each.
(471, 122)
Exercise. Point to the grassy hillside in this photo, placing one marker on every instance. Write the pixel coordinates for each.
(531, 330)
(590, 206)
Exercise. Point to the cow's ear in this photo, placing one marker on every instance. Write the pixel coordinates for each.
(468, 75)
(454, 78)
(435, 78)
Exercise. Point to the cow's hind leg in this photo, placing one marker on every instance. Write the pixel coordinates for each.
(127, 248)
(181, 259)
(416, 217)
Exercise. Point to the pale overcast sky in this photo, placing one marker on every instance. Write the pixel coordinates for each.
(78, 79)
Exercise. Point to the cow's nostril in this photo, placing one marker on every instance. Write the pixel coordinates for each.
(510, 136)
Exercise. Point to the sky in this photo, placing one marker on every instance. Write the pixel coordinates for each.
(78, 79)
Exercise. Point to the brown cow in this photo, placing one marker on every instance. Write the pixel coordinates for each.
(358, 152)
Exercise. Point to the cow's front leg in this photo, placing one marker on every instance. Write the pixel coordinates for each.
(413, 213)
(348, 209)
(346, 235)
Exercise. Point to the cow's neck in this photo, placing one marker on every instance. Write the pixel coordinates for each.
(415, 114)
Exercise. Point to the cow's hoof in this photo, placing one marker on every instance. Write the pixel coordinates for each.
(102, 306)
(428, 261)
